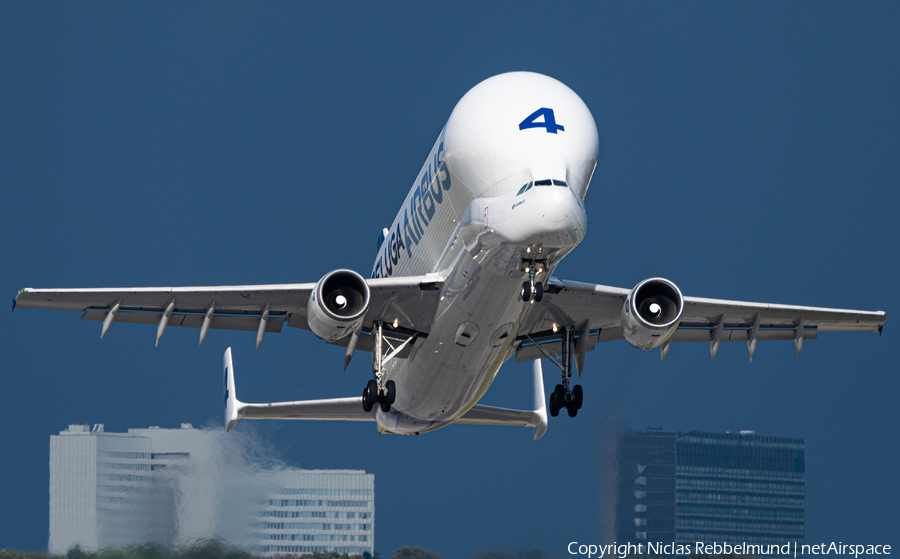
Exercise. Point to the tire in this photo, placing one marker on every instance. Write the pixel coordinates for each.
(526, 291)
(554, 409)
(560, 396)
(367, 405)
(391, 392)
(573, 411)
(538, 292)
(578, 393)
(385, 407)
(372, 392)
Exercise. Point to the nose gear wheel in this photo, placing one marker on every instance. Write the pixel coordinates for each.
(532, 289)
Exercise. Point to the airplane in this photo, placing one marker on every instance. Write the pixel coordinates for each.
(464, 280)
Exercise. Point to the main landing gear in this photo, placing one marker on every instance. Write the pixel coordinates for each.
(384, 397)
(378, 391)
(530, 288)
(562, 396)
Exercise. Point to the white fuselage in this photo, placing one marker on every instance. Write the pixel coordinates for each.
(467, 219)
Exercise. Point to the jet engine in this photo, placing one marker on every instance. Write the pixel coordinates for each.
(337, 304)
(651, 313)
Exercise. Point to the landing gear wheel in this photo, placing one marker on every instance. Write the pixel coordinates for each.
(554, 407)
(367, 405)
(526, 291)
(372, 389)
(573, 411)
(370, 395)
(560, 394)
(578, 396)
(385, 407)
(391, 392)
(538, 292)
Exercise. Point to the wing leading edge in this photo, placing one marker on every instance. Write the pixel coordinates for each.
(260, 308)
(596, 311)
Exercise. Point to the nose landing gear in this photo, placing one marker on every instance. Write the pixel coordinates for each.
(531, 288)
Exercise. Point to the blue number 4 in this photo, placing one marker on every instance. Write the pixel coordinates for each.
(549, 121)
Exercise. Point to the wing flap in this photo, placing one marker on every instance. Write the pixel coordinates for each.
(218, 322)
(738, 335)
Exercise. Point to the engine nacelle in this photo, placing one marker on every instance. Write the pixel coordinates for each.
(651, 313)
(337, 304)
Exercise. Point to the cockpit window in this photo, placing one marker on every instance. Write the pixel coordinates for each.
(525, 188)
(549, 182)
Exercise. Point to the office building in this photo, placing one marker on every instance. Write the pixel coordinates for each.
(176, 486)
(693, 487)
(318, 510)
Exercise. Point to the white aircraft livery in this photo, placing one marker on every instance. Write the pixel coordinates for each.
(464, 280)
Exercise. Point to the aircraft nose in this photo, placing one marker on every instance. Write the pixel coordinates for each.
(560, 215)
(558, 205)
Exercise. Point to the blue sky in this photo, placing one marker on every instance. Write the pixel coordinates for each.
(748, 151)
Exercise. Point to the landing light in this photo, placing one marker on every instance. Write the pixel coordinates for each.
(528, 249)
(555, 327)
(396, 323)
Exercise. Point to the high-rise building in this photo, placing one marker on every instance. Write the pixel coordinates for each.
(175, 486)
(318, 510)
(693, 487)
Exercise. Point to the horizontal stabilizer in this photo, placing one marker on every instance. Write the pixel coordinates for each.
(333, 409)
(489, 415)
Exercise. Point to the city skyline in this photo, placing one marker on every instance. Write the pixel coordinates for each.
(176, 487)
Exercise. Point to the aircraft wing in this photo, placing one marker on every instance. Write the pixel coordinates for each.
(259, 308)
(595, 311)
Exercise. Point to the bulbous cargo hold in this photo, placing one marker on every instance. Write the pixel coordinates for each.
(337, 304)
(651, 313)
